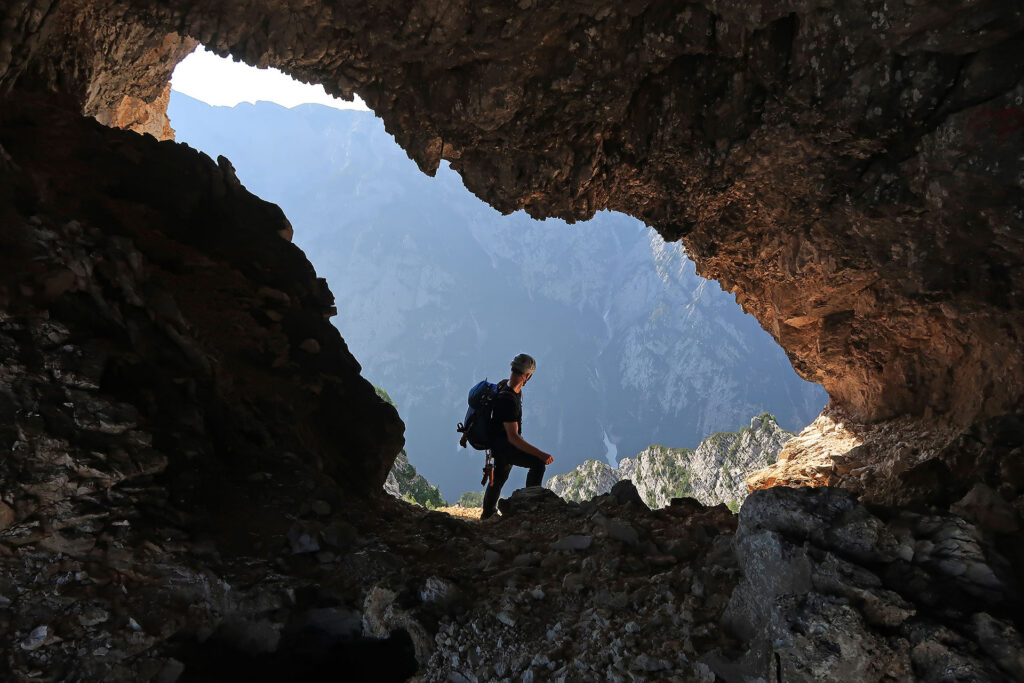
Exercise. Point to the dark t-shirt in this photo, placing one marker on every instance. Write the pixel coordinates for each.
(507, 407)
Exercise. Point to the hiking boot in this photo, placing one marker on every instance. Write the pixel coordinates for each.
(487, 514)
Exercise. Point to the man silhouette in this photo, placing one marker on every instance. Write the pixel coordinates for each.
(505, 430)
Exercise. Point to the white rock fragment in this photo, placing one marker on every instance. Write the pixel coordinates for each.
(36, 639)
(438, 590)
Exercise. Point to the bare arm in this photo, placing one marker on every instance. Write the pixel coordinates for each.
(512, 432)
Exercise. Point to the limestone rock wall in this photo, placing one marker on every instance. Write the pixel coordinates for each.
(96, 54)
(836, 590)
(585, 481)
(140, 116)
(715, 472)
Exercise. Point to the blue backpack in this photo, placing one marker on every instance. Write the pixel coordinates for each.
(474, 427)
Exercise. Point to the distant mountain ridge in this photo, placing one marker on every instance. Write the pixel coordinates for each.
(713, 473)
(435, 291)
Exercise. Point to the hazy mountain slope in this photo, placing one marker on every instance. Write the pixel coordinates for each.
(436, 291)
(713, 473)
(404, 481)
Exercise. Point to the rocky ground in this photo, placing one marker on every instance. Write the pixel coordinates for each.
(811, 585)
(461, 512)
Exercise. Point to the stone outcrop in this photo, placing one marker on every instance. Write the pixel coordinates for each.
(161, 401)
(867, 458)
(602, 590)
(831, 590)
(102, 56)
(715, 472)
(140, 116)
(582, 483)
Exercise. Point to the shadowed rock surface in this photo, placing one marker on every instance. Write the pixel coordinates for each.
(194, 465)
(869, 595)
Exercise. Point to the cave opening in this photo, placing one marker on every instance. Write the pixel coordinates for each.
(851, 172)
(435, 288)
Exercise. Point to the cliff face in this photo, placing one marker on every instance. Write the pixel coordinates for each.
(713, 473)
(591, 478)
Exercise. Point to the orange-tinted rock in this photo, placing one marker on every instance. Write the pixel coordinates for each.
(144, 117)
(6, 515)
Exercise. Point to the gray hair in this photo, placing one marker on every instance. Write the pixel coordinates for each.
(523, 364)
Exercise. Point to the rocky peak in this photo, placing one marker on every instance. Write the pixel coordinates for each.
(715, 472)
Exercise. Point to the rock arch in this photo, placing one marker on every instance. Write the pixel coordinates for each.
(850, 174)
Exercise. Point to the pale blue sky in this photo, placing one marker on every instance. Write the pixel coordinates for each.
(223, 82)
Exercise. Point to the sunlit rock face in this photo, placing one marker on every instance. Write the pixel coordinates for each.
(851, 173)
(133, 113)
(100, 54)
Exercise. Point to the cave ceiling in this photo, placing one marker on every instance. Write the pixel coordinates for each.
(852, 173)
